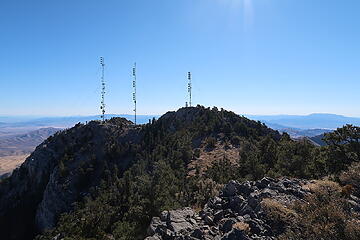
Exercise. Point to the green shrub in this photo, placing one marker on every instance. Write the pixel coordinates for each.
(236, 140)
(197, 153)
(210, 143)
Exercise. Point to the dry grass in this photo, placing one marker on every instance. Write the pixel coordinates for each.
(207, 158)
(323, 187)
(277, 211)
(242, 226)
(323, 215)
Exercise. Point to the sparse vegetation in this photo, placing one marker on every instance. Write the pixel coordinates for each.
(325, 214)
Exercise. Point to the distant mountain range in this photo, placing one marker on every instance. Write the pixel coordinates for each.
(24, 143)
(62, 122)
(312, 121)
(296, 125)
(14, 148)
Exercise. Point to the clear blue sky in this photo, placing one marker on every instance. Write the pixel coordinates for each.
(249, 56)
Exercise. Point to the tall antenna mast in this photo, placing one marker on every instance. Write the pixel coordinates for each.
(102, 106)
(134, 89)
(189, 88)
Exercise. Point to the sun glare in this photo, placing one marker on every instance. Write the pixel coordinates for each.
(243, 7)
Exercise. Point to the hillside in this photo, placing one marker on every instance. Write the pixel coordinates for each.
(14, 149)
(297, 132)
(21, 144)
(319, 139)
(108, 180)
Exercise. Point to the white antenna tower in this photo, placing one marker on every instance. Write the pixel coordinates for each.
(102, 106)
(134, 88)
(189, 87)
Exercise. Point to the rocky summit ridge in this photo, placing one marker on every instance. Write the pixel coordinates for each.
(237, 213)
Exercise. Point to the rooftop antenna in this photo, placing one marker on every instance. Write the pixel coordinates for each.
(134, 89)
(102, 106)
(189, 88)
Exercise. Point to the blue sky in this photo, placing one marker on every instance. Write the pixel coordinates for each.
(249, 56)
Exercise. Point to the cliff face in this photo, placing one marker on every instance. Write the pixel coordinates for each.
(59, 172)
(22, 192)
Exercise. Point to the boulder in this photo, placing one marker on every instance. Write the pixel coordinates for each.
(197, 233)
(180, 215)
(230, 189)
(180, 227)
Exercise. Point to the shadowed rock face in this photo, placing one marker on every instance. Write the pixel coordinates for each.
(235, 214)
(32, 199)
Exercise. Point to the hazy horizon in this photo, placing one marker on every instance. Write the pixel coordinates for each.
(131, 114)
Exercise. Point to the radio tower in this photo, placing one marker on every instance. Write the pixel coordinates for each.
(102, 106)
(189, 88)
(134, 89)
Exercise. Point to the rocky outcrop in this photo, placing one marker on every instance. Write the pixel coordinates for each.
(236, 213)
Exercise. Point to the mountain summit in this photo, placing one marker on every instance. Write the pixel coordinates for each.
(107, 180)
(71, 164)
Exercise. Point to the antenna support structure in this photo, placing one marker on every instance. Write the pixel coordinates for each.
(102, 105)
(189, 88)
(134, 90)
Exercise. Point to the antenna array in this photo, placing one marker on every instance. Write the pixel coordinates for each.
(189, 87)
(134, 89)
(102, 106)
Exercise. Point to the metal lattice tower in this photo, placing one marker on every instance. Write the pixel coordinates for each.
(189, 88)
(102, 106)
(134, 90)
